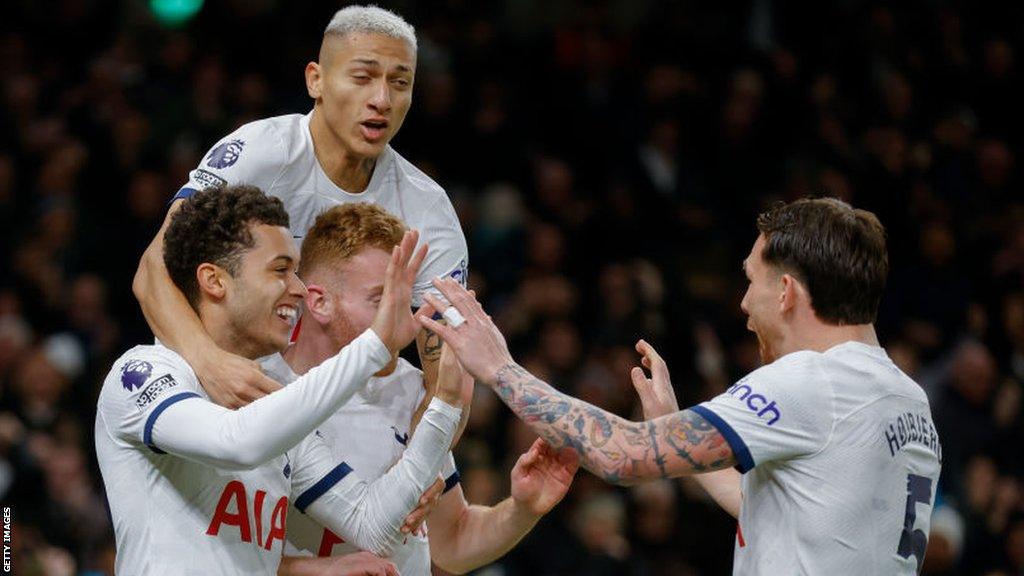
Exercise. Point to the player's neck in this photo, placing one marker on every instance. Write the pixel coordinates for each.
(226, 338)
(825, 336)
(313, 346)
(310, 349)
(347, 171)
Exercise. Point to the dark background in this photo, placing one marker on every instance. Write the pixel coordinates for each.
(607, 160)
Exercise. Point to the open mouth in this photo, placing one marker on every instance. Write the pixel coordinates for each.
(374, 129)
(287, 313)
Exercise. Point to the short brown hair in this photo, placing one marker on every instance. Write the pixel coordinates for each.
(343, 231)
(838, 252)
(213, 226)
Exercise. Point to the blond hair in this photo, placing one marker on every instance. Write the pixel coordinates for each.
(345, 230)
(371, 20)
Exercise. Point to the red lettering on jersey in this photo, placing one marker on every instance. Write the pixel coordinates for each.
(739, 535)
(277, 521)
(327, 543)
(234, 490)
(258, 514)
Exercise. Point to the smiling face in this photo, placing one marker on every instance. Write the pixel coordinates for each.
(264, 296)
(762, 302)
(363, 89)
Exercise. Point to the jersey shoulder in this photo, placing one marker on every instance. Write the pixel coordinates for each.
(256, 153)
(794, 368)
(137, 365)
(413, 185)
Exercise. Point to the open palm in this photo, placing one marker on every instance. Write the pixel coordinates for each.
(542, 476)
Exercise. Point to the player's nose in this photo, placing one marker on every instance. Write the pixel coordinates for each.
(381, 100)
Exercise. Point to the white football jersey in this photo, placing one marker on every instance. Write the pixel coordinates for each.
(176, 516)
(276, 155)
(370, 432)
(840, 462)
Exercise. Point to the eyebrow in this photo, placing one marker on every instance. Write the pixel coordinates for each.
(288, 259)
(376, 64)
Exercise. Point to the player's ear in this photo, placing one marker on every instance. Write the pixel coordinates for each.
(313, 80)
(319, 304)
(792, 291)
(212, 280)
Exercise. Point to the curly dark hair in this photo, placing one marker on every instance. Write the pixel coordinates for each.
(838, 252)
(213, 226)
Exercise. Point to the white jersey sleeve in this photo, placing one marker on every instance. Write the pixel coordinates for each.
(153, 379)
(245, 438)
(370, 515)
(448, 255)
(780, 411)
(254, 154)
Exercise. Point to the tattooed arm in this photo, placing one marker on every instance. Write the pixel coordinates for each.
(613, 448)
(617, 450)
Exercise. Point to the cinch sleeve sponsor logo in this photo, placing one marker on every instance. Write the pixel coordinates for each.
(225, 154)
(757, 403)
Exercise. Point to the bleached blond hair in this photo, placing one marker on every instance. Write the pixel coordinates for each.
(370, 19)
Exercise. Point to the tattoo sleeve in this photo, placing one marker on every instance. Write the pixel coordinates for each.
(615, 449)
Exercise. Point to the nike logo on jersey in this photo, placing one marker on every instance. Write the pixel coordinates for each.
(402, 439)
(757, 403)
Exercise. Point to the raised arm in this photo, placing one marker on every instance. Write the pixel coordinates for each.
(203, 431)
(611, 447)
(659, 399)
(370, 514)
(230, 380)
(464, 537)
(186, 425)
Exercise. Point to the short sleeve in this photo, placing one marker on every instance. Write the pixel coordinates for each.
(255, 154)
(780, 411)
(448, 255)
(315, 470)
(139, 388)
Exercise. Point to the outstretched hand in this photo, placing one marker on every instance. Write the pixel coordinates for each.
(656, 394)
(477, 342)
(542, 476)
(394, 324)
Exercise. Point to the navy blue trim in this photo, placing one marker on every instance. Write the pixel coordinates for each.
(147, 432)
(323, 485)
(451, 481)
(744, 462)
(184, 193)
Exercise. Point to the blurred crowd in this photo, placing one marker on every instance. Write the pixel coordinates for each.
(607, 160)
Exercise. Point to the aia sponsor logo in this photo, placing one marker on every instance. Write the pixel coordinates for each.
(233, 511)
